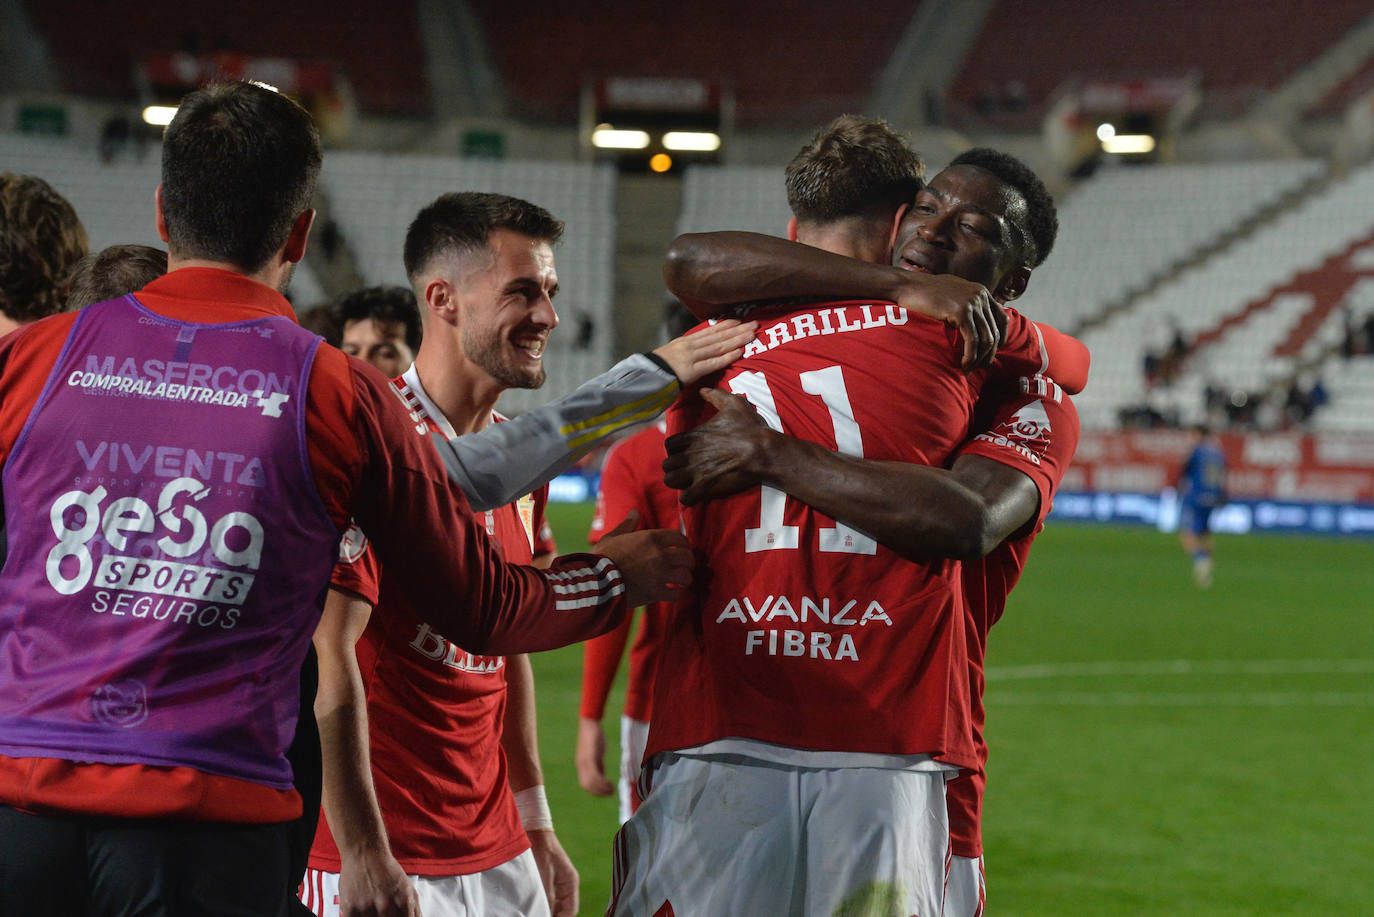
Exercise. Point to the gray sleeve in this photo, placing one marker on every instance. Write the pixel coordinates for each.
(508, 460)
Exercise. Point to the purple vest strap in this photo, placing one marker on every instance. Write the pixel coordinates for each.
(168, 551)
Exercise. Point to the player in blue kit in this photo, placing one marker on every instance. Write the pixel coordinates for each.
(1202, 488)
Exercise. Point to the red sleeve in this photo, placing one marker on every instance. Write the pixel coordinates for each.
(1067, 358)
(1033, 349)
(27, 357)
(357, 570)
(424, 531)
(544, 542)
(600, 660)
(1034, 430)
(618, 493)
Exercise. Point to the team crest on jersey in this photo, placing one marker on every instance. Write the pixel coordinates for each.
(352, 545)
(1027, 432)
(525, 506)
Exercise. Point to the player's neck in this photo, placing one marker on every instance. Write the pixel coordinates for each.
(843, 239)
(464, 393)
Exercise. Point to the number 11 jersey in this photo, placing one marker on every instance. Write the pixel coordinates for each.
(802, 632)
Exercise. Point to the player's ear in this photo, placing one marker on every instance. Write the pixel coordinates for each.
(1012, 285)
(896, 224)
(157, 214)
(792, 229)
(439, 299)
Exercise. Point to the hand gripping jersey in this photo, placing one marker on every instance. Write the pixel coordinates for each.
(631, 479)
(804, 632)
(1031, 426)
(435, 711)
(160, 610)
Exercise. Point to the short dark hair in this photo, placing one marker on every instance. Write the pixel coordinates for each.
(1037, 232)
(463, 221)
(850, 167)
(113, 272)
(41, 238)
(384, 305)
(239, 165)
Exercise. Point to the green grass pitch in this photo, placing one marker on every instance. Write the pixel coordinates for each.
(1156, 749)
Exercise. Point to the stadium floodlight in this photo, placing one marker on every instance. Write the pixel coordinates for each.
(609, 138)
(691, 141)
(1106, 132)
(660, 162)
(159, 115)
(1129, 144)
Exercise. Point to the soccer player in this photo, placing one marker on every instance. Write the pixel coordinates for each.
(178, 467)
(41, 239)
(379, 325)
(631, 481)
(986, 508)
(1201, 484)
(479, 837)
(813, 695)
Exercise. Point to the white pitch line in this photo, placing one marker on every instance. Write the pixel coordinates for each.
(1184, 667)
(1175, 699)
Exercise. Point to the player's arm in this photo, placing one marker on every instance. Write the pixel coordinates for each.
(423, 529)
(709, 271)
(915, 510)
(520, 741)
(370, 879)
(507, 460)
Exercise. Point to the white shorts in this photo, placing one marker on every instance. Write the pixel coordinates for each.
(513, 888)
(967, 890)
(732, 835)
(634, 734)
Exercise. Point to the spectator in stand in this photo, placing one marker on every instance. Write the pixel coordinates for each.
(113, 272)
(380, 325)
(41, 239)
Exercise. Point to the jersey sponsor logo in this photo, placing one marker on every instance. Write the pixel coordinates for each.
(193, 383)
(429, 644)
(207, 582)
(836, 320)
(1027, 432)
(814, 642)
(172, 462)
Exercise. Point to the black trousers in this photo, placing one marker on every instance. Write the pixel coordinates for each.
(62, 866)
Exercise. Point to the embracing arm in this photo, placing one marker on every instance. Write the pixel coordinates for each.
(709, 271)
(918, 511)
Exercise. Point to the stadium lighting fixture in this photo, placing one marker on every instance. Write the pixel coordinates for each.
(159, 115)
(609, 138)
(1129, 143)
(691, 141)
(1106, 132)
(660, 162)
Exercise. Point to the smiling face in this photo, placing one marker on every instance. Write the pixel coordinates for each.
(966, 222)
(506, 309)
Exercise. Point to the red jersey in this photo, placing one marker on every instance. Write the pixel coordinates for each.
(1034, 429)
(631, 479)
(806, 633)
(434, 711)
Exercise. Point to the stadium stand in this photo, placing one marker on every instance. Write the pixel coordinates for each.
(749, 198)
(1127, 226)
(386, 69)
(1240, 307)
(785, 62)
(1242, 49)
(374, 197)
